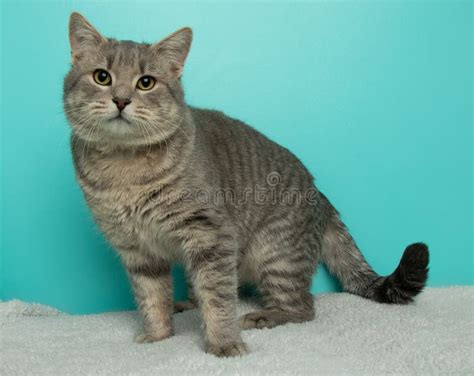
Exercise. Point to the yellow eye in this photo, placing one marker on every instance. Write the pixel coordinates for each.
(146, 83)
(102, 77)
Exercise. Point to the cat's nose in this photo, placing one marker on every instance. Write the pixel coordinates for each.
(121, 103)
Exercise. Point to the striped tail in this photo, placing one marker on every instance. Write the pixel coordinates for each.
(346, 262)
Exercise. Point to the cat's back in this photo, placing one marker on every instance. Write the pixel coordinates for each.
(243, 154)
(222, 131)
(219, 127)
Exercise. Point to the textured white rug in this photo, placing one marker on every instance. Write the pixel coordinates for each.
(350, 335)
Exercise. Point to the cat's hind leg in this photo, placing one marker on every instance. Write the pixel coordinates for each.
(271, 317)
(284, 282)
(281, 306)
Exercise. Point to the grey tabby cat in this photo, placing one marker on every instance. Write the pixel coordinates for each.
(153, 171)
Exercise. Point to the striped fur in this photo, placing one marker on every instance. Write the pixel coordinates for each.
(170, 183)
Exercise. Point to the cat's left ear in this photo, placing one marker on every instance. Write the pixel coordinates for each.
(82, 36)
(174, 49)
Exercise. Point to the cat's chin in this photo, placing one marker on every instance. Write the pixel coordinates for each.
(110, 143)
(119, 126)
(119, 131)
(112, 133)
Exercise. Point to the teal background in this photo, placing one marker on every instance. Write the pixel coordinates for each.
(374, 97)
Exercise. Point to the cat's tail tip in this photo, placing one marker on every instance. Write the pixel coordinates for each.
(408, 279)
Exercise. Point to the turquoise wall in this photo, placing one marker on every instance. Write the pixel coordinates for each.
(374, 97)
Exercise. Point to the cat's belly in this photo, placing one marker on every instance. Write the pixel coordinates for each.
(246, 270)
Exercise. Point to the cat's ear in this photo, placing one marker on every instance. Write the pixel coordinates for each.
(82, 36)
(174, 49)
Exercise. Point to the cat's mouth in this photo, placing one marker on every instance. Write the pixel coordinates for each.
(119, 118)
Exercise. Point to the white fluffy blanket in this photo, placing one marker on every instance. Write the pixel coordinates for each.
(350, 336)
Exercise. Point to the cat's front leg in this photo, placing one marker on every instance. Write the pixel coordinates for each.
(210, 260)
(152, 285)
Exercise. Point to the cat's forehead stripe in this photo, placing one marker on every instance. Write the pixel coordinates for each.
(110, 60)
(142, 64)
(126, 54)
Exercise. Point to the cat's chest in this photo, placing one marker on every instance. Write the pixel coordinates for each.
(122, 173)
(124, 215)
(119, 191)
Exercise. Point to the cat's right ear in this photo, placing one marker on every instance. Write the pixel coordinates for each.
(82, 36)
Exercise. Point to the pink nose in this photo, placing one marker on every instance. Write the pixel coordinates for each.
(121, 103)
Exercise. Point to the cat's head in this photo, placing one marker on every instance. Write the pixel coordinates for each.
(122, 92)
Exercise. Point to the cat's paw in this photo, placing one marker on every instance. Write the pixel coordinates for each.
(150, 338)
(228, 350)
(256, 320)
